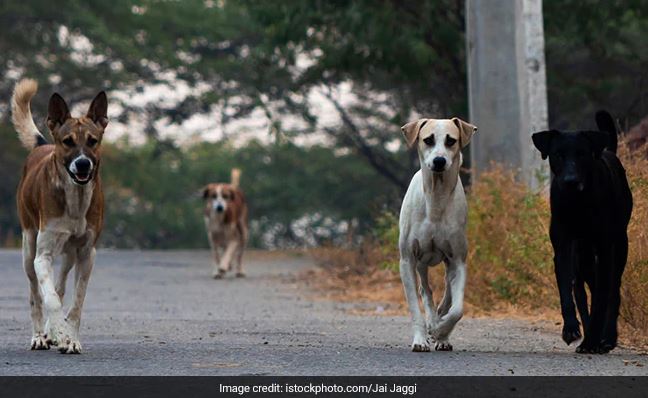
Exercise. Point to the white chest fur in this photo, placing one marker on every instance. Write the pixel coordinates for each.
(77, 202)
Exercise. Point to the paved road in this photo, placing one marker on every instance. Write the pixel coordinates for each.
(159, 313)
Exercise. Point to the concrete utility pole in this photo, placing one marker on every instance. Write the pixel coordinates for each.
(507, 84)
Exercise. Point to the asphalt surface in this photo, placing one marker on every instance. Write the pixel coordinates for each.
(159, 313)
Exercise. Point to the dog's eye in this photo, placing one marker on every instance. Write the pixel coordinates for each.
(450, 141)
(429, 140)
(92, 141)
(69, 142)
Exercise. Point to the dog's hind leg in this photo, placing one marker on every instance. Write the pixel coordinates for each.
(39, 339)
(456, 274)
(580, 295)
(421, 342)
(431, 317)
(86, 257)
(584, 257)
(610, 333)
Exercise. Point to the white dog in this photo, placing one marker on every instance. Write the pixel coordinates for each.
(433, 228)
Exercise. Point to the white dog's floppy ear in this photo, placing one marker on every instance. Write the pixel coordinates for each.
(411, 131)
(466, 131)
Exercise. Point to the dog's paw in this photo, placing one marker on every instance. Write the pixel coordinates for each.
(219, 274)
(240, 274)
(601, 348)
(69, 346)
(571, 334)
(607, 346)
(420, 344)
(442, 345)
(40, 342)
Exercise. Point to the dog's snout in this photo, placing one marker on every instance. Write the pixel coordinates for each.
(438, 163)
(571, 181)
(219, 208)
(83, 165)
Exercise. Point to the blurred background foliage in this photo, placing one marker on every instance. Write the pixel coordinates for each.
(398, 60)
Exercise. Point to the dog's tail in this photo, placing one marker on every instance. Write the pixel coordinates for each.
(605, 123)
(21, 115)
(235, 178)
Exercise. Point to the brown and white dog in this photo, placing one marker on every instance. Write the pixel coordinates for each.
(60, 205)
(226, 215)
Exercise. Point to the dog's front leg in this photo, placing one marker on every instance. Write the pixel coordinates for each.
(565, 279)
(431, 317)
(226, 259)
(421, 342)
(69, 259)
(238, 261)
(592, 341)
(216, 258)
(446, 301)
(214, 248)
(39, 339)
(81, 279)
(48, 244)
(456, 279)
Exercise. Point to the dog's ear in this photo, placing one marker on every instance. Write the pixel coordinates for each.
(98, 110)
(466, 131)
(598, 140)
(411, 131)
(205, 192)
(57, 111)
(542, 141)
(605, 122)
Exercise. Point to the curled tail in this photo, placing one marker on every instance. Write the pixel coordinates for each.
(235, 178)
(21, 115)
(605, 123)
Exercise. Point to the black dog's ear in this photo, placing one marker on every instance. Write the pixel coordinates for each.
(598, 140)
(605, 122)
(542, 141)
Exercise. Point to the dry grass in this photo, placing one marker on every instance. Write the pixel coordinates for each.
(510, 259)
(634, 304)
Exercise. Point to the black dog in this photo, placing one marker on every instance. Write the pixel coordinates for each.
(591, 204)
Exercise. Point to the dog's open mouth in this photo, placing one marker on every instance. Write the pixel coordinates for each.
(80, 178)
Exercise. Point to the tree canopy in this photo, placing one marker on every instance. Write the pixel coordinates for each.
(352, 70)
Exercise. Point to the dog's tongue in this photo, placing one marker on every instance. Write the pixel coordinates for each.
(82, 177)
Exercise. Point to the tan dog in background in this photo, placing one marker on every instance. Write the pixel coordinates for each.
(226, 217)
(60, 205)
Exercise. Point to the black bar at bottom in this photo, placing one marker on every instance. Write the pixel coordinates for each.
(315, 386)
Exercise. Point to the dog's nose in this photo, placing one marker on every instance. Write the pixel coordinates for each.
(438, 163)
(573, 182)
(220, 208)
(83, 165)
